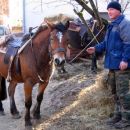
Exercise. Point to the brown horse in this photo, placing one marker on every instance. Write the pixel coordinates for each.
(78, 37)
(36, 63)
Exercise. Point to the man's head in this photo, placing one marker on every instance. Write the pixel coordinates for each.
(114, 10)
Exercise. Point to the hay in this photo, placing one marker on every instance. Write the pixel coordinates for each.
(86, 108)
(95, 104)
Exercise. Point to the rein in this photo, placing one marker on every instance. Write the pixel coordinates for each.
(30, 42)
(87, 45)
(35, 60)
(51, 51)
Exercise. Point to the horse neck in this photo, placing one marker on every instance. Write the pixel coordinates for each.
(41, 42)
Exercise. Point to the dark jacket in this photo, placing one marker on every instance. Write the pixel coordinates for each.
(116, 43)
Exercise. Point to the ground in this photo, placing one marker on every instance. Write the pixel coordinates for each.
(78, 100)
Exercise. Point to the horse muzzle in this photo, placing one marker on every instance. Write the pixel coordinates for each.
(59, 62)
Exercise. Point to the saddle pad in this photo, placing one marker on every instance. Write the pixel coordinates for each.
(16, 42)
(11, 51)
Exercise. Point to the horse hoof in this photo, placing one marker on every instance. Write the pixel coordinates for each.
(28, 128)
(16, 116)
(28, 124)
(94, 72)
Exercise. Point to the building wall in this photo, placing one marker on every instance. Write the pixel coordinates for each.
(15, 13)
(4, 7)
(4, 10)
(32, 16)
(35, 11)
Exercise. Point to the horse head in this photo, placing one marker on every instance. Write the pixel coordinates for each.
(58, 44)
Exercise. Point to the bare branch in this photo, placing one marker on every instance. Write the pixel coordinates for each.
(87, 8)
(96, 12)
(128, 2)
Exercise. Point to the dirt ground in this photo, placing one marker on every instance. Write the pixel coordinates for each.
(77, 100)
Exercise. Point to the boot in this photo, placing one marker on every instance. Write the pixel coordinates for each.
(116, 118)
(122, 124)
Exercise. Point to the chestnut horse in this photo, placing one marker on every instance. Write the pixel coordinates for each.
(36, 63)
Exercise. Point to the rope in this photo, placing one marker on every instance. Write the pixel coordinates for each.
(27, 42)
(86, 46)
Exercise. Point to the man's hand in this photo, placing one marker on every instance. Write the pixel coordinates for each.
(123, 65)
(91, 50)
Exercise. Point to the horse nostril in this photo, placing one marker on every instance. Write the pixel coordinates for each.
(57, 61)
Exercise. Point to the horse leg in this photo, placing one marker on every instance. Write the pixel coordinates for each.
(63, 69)
(13, 108)
(28, 102)
(94, 63)
(36, 110)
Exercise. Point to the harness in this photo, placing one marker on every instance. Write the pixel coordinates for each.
(86, 46)
(59, 49)
(51, 51)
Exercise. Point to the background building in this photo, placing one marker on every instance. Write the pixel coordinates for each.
(34, 11)
(4, 11)
(22, 14)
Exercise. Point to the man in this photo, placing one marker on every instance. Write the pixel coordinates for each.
(117, 59)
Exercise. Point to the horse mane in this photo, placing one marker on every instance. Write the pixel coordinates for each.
(59, 18)
(40, 29)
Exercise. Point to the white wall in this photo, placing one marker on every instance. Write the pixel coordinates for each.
(34, 13)
(15, 12)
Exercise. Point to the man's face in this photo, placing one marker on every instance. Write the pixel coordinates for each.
(113, 13)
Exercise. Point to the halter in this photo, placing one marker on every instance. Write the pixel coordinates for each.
(59, 35)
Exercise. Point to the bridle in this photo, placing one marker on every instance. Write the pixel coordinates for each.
(52, 51)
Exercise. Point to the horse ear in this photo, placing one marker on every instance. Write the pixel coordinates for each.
(67, 24)
(50, 25)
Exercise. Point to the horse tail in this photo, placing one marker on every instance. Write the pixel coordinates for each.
(3, 91)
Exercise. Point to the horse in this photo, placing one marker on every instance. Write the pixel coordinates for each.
(79, 37)
(36, 61)
(3, 94)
